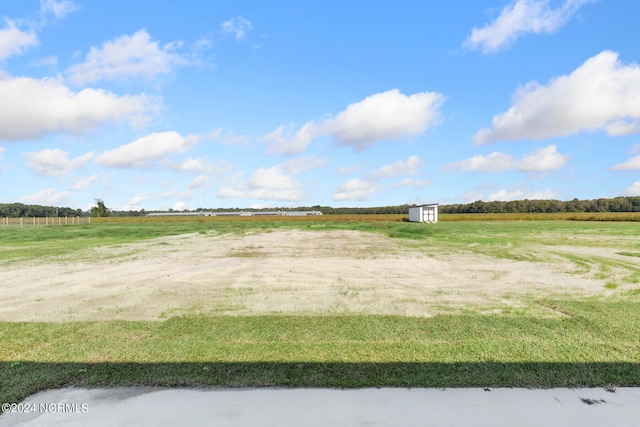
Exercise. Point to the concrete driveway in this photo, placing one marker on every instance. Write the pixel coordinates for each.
(146, 406)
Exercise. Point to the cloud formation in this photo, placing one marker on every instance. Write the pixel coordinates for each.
(135, 203)
(360, 189)
(197, 165)
(601, 94)
(274, 183)
(632, 191)
(403, 167)
(355, 189)
(517, 194)
(238, 26)
(31, 108)
(519, 18)
(82, 183)
(383, 116)
(135, 56)
(14, 41)
(47, 197)
(55, 162)
(57, 9)
(284, 140)
(631, 164)
(143, 151)
(266, 184)
(545, 159)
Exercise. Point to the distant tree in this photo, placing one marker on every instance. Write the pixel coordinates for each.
(100, 210)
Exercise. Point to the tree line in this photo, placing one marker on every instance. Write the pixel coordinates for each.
(20, 210)
(617, 204)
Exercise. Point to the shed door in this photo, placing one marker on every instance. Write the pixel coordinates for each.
(429, 215)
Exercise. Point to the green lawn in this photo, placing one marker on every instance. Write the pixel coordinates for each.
(582, 342)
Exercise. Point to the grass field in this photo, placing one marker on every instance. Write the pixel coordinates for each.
(549, 339)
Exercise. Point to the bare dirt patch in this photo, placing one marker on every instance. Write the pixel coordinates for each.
(295, 272)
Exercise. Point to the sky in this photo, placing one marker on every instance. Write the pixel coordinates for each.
(161, 105)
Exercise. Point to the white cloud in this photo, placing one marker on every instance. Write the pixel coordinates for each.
(516, 194)
(359, 189)
(631, 164)
(355, 189)
(383, 116)
(225, 137)
(266, 184)
(198, 165)
(261, 193)
(519, 18)
(55, 162)
(238, 26)
(545, 159)
(271, 178)
(82, 183)
(285, 141)
(135, 203)
(124, 57)
(403, 167)
(542, 160)
(14, 41)
(601, 94)
(475, 193)
(632, 191)
(494, 162)
(143, 151)
(57, 9)
(47, 197)
(31, 108)
(180, 206)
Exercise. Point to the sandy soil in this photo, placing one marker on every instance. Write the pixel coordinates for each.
(278, 272)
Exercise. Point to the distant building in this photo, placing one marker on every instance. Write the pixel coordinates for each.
(239, 213)
(424, 213)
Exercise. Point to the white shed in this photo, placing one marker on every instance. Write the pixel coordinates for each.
(424, 213)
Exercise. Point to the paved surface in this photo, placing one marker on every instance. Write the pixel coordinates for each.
(326, 407)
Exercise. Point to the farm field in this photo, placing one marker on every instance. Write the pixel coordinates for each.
(329, 302)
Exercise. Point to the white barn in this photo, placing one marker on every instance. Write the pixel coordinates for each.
(424, 213)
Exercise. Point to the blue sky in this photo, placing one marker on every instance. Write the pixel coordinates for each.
(159, 105)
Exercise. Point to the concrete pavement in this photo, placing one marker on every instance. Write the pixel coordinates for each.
(146, 406)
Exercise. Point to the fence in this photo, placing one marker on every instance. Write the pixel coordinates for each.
(34, 221)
